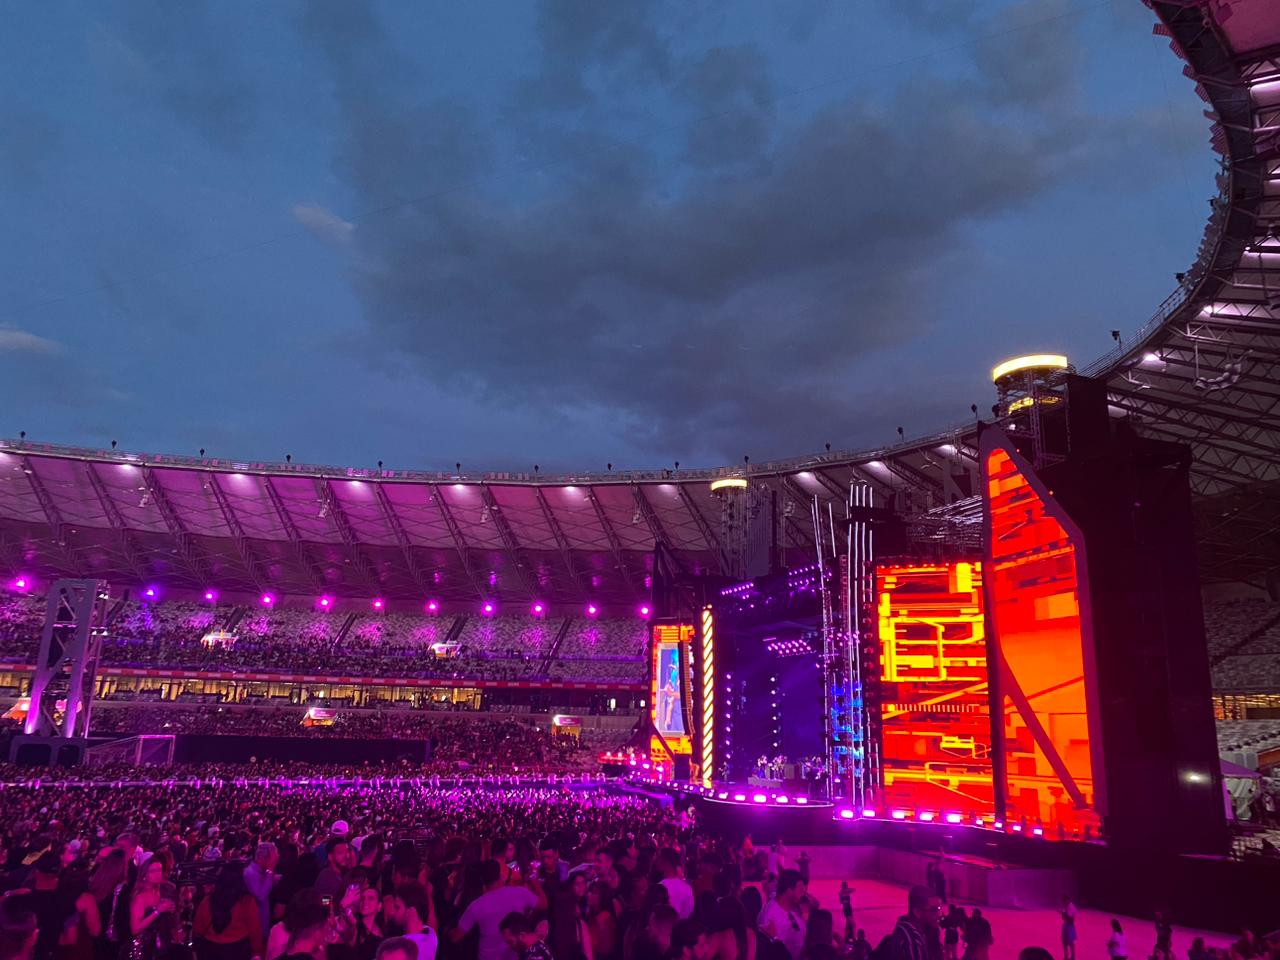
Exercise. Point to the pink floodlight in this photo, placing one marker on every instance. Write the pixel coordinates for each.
(868, 812)
(379, 603)
(267, 599)
(537, 609)
(149, 593)
(644, 610)
(759, 798)
(211, 595)
(433, 606)
(846, 814)
(21, 583)
(592, 609)
(325, 602)
(487, 609)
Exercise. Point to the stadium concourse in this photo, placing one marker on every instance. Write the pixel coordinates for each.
(390, 691)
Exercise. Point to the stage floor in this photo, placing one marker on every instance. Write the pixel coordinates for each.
(877, 906)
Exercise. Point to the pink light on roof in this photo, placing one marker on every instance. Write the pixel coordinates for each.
(644, 610)
(487, 609)
(21, 583)
(325, 602)
(267, 599)
(537, 609)
(149, 593)
(592, 609)
(379, 603)
(211, 595)
(433, 606)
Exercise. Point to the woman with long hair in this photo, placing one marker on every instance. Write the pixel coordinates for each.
(601, 921)
(151, 913)
(228, 924)
(819, 937)
(83, 920)
(304, 905)
(368, 929)
(109, 887)
(1117, 946)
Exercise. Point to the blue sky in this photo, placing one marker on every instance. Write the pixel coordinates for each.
(571, 233)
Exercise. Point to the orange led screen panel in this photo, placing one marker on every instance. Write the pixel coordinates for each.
(935, 705)
(1037, 601)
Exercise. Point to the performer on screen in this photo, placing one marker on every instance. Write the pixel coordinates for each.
(669, 698)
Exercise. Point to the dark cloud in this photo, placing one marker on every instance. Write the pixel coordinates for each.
(716, 303)
(1024, 59)
(587, 44)
(936, 16)
(178, 56)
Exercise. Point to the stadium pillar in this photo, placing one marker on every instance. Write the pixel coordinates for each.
(61, 703)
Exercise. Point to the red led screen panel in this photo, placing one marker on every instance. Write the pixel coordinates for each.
(935, 706)
(1037, 612)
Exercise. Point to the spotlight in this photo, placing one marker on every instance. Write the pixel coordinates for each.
(868, 812)
(21, 583)
(149, 593)
(211, 595)
(592, 609)
(378, 603)
(644, 610)
(433, 606)
(759, 798)
(326, 602)
(267, 599)
(487, 609)
(846, 814)
(953, 818)
(537, 609)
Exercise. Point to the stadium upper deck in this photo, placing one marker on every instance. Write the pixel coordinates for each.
(1205, 369)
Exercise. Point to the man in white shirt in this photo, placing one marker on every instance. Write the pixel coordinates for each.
(780, 918)
(488, 910)
(679, 893)
(407, 911)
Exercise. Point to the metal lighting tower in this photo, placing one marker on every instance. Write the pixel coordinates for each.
(75, 623)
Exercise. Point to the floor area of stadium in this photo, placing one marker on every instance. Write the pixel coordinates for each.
(877, 906)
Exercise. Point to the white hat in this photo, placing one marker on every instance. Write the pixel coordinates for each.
(340, 828)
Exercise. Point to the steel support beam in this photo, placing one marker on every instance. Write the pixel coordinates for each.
(615, 545)
(129, 546)
(349, 539)
(708, 534)
(295, 538)
(181, 536)
(251, 565)
(459, 542)
(562, 542)
(515, 554)
(52, 515)
(402, 539)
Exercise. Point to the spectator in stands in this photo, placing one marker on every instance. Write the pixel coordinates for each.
(408, 910)
(228, 923)
(1068, 932)
(487, 911)
(259, 878)
(977, 936)
(916, 935)
(1117, 945)
(18, 930)
(781, 918)
(679, 892)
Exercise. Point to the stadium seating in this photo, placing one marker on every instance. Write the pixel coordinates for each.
(300, 640)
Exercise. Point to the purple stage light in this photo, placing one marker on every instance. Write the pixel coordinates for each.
(868, 812)
(537, 609)
(644, 610)
(592, 609)
(926, 816)
(267, 599)
(783, 799)
(211, 595)
(378, 603)
(846, 814)
(149, 593)
(953, 818)
(326, 602)
(433, 606)
(739, 797)
(899, 814)
(20, 583)
(487, 609)
(759, 798)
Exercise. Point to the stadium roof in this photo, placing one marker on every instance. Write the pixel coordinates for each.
(1205, 370)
